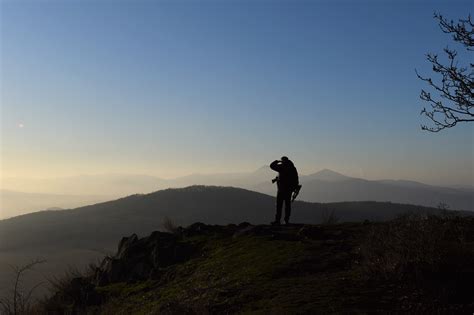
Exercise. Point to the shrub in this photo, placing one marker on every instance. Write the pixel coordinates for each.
(70, 292)
(416, 246)
(329, 216)
(20, 301)
(60, 283)
(169, 225)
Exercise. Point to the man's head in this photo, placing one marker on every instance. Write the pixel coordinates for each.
(284, 159)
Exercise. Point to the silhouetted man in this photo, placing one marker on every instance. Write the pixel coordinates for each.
(287, 182)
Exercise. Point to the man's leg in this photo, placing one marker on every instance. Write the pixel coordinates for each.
(287, 206)
(279, 206)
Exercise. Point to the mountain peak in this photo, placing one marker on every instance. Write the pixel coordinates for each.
(328, 175)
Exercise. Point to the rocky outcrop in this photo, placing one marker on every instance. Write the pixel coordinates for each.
(137, 259)
(140, 259)
(154, 257)
(245, 268)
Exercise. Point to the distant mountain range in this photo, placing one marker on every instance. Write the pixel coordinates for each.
(330, 186)
(323, 186)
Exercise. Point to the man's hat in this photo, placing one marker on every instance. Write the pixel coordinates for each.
(284, 158)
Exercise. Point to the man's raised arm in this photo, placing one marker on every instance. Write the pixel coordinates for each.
(275, 165)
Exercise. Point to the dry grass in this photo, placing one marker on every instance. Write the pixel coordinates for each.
(329, 216)
(169, 225)
(20, 301)
(413, 245)
(60, 283)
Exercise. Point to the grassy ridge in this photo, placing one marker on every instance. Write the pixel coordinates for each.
(245, 273)
(295, 269)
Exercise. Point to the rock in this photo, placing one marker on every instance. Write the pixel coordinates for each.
(244, 225)
(139, 259)
(197, 227)
(244, 231)
(311, 232)
(125, 244)
(254, 230)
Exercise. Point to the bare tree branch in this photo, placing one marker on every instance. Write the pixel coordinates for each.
(19, 303)
(462, 31)
(456, 84)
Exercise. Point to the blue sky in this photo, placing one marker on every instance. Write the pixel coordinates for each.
(172, 88)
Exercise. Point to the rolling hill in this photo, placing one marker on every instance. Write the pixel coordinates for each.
(103, 223)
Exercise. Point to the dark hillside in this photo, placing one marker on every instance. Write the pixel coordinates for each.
(99, 225)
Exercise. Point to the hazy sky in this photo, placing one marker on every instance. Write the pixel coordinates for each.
(171, 88)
